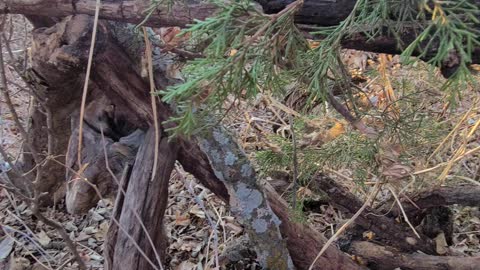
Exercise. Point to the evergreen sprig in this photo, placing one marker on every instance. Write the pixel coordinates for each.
(248, 52)
(244, 54)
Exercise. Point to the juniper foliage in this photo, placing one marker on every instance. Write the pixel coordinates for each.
(248, 52)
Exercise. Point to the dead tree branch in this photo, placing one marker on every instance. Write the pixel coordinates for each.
(379, 257)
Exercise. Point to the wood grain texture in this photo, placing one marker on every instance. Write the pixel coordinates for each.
(148, 199)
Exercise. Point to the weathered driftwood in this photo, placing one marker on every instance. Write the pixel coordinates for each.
(383, 258)
(145, 202)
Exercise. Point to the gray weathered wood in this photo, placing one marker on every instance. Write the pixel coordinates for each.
(247, 200)
(148, 199)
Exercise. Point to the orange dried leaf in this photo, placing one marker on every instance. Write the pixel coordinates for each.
(369, 235)
(233, 52)
(313, 44)
(335, 131)
(182, 220)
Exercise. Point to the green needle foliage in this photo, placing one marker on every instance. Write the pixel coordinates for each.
(247, 52)
(244, 52)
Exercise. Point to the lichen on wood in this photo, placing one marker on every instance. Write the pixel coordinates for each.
(247, 200)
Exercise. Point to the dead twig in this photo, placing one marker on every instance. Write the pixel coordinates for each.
(85, 86)
(148, 54)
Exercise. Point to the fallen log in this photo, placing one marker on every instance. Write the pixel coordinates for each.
(386, 229)
(433, 204)
(247, 200)
(464, 195)
(383, 258)
(124, 11)
(314, 12)
(319, 12)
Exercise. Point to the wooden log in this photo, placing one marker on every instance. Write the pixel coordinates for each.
(120, 81)
(431, 200)
(319, 12)
(383, 258)
(303, 242)
(465, 195)
(316, 12)
(384, 228)
(145, 198)
(130, 11)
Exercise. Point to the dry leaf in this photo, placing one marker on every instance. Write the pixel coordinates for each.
(232, 52)
(236, 229)
(397, 171)
(304, 192)
(189, 245)
(313, 44)
(170, 36)
(197, 211)
(43, 238)
(182, 220)
(335, 131)
(18, 263)
(441, 244)
(102, 231)
(369, 235)
(475, 220)
(82, 236)
(6, 246)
